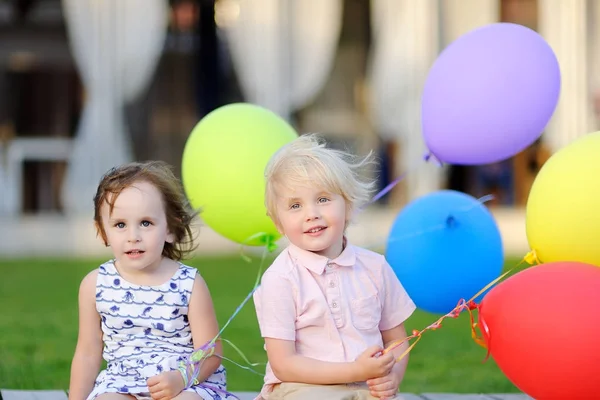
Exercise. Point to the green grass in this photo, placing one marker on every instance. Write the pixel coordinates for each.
(38, 330)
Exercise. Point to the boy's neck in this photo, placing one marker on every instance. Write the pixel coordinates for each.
(333, 253)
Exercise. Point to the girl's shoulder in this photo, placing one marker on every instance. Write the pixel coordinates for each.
(107, 268)
(185, 275)
(92, 277)
(186, 270)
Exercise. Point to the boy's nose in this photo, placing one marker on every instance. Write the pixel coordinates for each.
(312, 213)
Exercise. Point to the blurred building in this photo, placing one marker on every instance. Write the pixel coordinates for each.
(87, 84)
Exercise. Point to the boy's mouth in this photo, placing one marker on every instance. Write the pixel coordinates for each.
(316, 229)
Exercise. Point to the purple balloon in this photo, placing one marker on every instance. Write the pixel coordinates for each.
(489, 95)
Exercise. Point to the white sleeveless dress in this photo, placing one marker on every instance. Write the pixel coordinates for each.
(145, 332)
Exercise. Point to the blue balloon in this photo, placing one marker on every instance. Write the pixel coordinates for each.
(444, 247)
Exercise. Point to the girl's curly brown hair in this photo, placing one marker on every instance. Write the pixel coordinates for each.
(177, 208)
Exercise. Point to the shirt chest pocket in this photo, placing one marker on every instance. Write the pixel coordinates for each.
(365, 312)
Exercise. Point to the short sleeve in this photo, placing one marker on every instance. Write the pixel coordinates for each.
(275, 307)
(397, 304)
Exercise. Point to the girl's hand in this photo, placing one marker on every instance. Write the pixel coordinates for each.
(166, 386)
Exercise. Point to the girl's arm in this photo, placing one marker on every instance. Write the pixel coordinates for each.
(204, 326)
(88, 353)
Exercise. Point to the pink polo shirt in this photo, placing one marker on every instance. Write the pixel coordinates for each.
(332, 309)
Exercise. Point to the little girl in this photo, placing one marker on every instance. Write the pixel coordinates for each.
(326, 309)
(144, 311)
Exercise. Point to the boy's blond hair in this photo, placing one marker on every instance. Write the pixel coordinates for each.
(307, 161)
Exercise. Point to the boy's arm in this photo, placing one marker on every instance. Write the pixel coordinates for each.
(390, 336)
(88, 352)
(397, 307)
(291, 367)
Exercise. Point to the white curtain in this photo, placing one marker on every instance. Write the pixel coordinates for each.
(392, 91)
(405, 34)
(283, 50)
(116, 45)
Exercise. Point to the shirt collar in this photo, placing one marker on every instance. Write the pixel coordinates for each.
(317, 263)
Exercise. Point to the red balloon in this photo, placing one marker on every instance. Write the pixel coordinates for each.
(542, 327)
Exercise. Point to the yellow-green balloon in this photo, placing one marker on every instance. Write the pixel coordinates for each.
(563, 208)
(223, 170)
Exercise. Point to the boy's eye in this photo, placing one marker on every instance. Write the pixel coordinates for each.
(146, 223)
(323, 199)
(294, 206)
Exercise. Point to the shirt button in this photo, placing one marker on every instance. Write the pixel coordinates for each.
(332, 284)
(334, 304)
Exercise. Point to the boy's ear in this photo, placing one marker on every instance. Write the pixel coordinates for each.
(279, 228)
(276, 223)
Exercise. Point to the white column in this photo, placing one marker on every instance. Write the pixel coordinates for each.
(594, 61)
(462, 16)
(564, 25)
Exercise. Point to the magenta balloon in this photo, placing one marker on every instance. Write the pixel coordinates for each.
(489, 95)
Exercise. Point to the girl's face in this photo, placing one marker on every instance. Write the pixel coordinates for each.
(137, 228)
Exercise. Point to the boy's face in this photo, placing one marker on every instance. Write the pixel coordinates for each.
(313, 219)
(137, 228)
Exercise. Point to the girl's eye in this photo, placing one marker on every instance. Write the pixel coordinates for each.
(323, 200)
(295, 206)
(146, 224)
(120, 225)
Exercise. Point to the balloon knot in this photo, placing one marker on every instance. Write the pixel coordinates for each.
(270, 243)
(531, 258)
(430, 156)
(471, 305)
(451, 221)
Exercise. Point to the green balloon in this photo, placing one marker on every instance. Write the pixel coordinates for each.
(223, 167)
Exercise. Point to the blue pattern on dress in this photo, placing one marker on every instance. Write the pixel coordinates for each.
(145, 332)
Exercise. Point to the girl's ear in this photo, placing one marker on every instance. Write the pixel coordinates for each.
(170, 238)
(100, 232)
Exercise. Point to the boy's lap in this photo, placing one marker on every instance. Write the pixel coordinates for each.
(303, 391)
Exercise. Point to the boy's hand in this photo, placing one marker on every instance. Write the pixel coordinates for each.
(372, 363)
(166, 385)
(385, 387)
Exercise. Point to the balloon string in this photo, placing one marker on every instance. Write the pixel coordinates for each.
(469, 306)
(431, 229)
(269, 247)
(426, 157)
(249, 365)
(190, 369)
